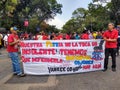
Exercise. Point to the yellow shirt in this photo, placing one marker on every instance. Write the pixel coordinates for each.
(94, 35)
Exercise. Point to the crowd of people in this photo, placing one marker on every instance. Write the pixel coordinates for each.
(62, 36)
(52, 36)
(11, 42)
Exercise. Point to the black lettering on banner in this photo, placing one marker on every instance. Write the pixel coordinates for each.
(74, 69)
(56, 69)
(64, 69)
(77, 68)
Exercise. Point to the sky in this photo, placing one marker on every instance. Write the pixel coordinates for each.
(68, 7)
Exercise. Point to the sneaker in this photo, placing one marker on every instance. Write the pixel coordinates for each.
(104, 70)
(22, 75)
(114, 69)
(14, 73)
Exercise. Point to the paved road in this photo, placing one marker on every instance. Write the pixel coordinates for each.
(87, 81)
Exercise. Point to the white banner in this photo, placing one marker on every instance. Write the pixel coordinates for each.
(62, 57)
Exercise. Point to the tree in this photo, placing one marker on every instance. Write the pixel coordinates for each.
(114, 9)
(6, 8)
(69, 26)
(100, 16)
(42, 9)
(51, 29)
(96, 17)
(75, 24)
(80, 13)
(18, 10)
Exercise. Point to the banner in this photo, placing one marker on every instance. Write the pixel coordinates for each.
(62, 56)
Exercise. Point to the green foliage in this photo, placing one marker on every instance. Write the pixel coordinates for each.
(51, 29)
(36, 11)
(114, 9)
(95, 18)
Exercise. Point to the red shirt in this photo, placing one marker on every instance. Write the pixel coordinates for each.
(67, 37)
(12, 48)
(44, 37)
(60, 37)
(111, 35)
(36, 38)
(85, 36)
(26, 35)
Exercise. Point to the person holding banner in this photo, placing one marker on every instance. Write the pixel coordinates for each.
(110, 36)
(12, 48)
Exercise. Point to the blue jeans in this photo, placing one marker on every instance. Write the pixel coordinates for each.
(15, 62)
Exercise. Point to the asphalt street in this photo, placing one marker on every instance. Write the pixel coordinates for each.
(86, 81)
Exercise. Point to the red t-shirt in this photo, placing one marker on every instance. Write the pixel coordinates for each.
(12, 48)
(85, 36)
(67, 37)
(26, 35)
(44, 37)
(111, 35)
(60, 37)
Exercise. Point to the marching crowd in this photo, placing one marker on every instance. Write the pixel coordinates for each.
(69, 36)
(86, 34)
(52, 36)
(62, 36)
(11, 42)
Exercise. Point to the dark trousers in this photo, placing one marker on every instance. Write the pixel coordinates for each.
(108, 52)
(118, 47)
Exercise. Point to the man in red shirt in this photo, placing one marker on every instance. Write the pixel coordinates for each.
(12, 49)
(110, 36)
(85, 35)
(60, 36)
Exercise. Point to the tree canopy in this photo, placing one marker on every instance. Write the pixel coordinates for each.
(14, 12)
(95, 18)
